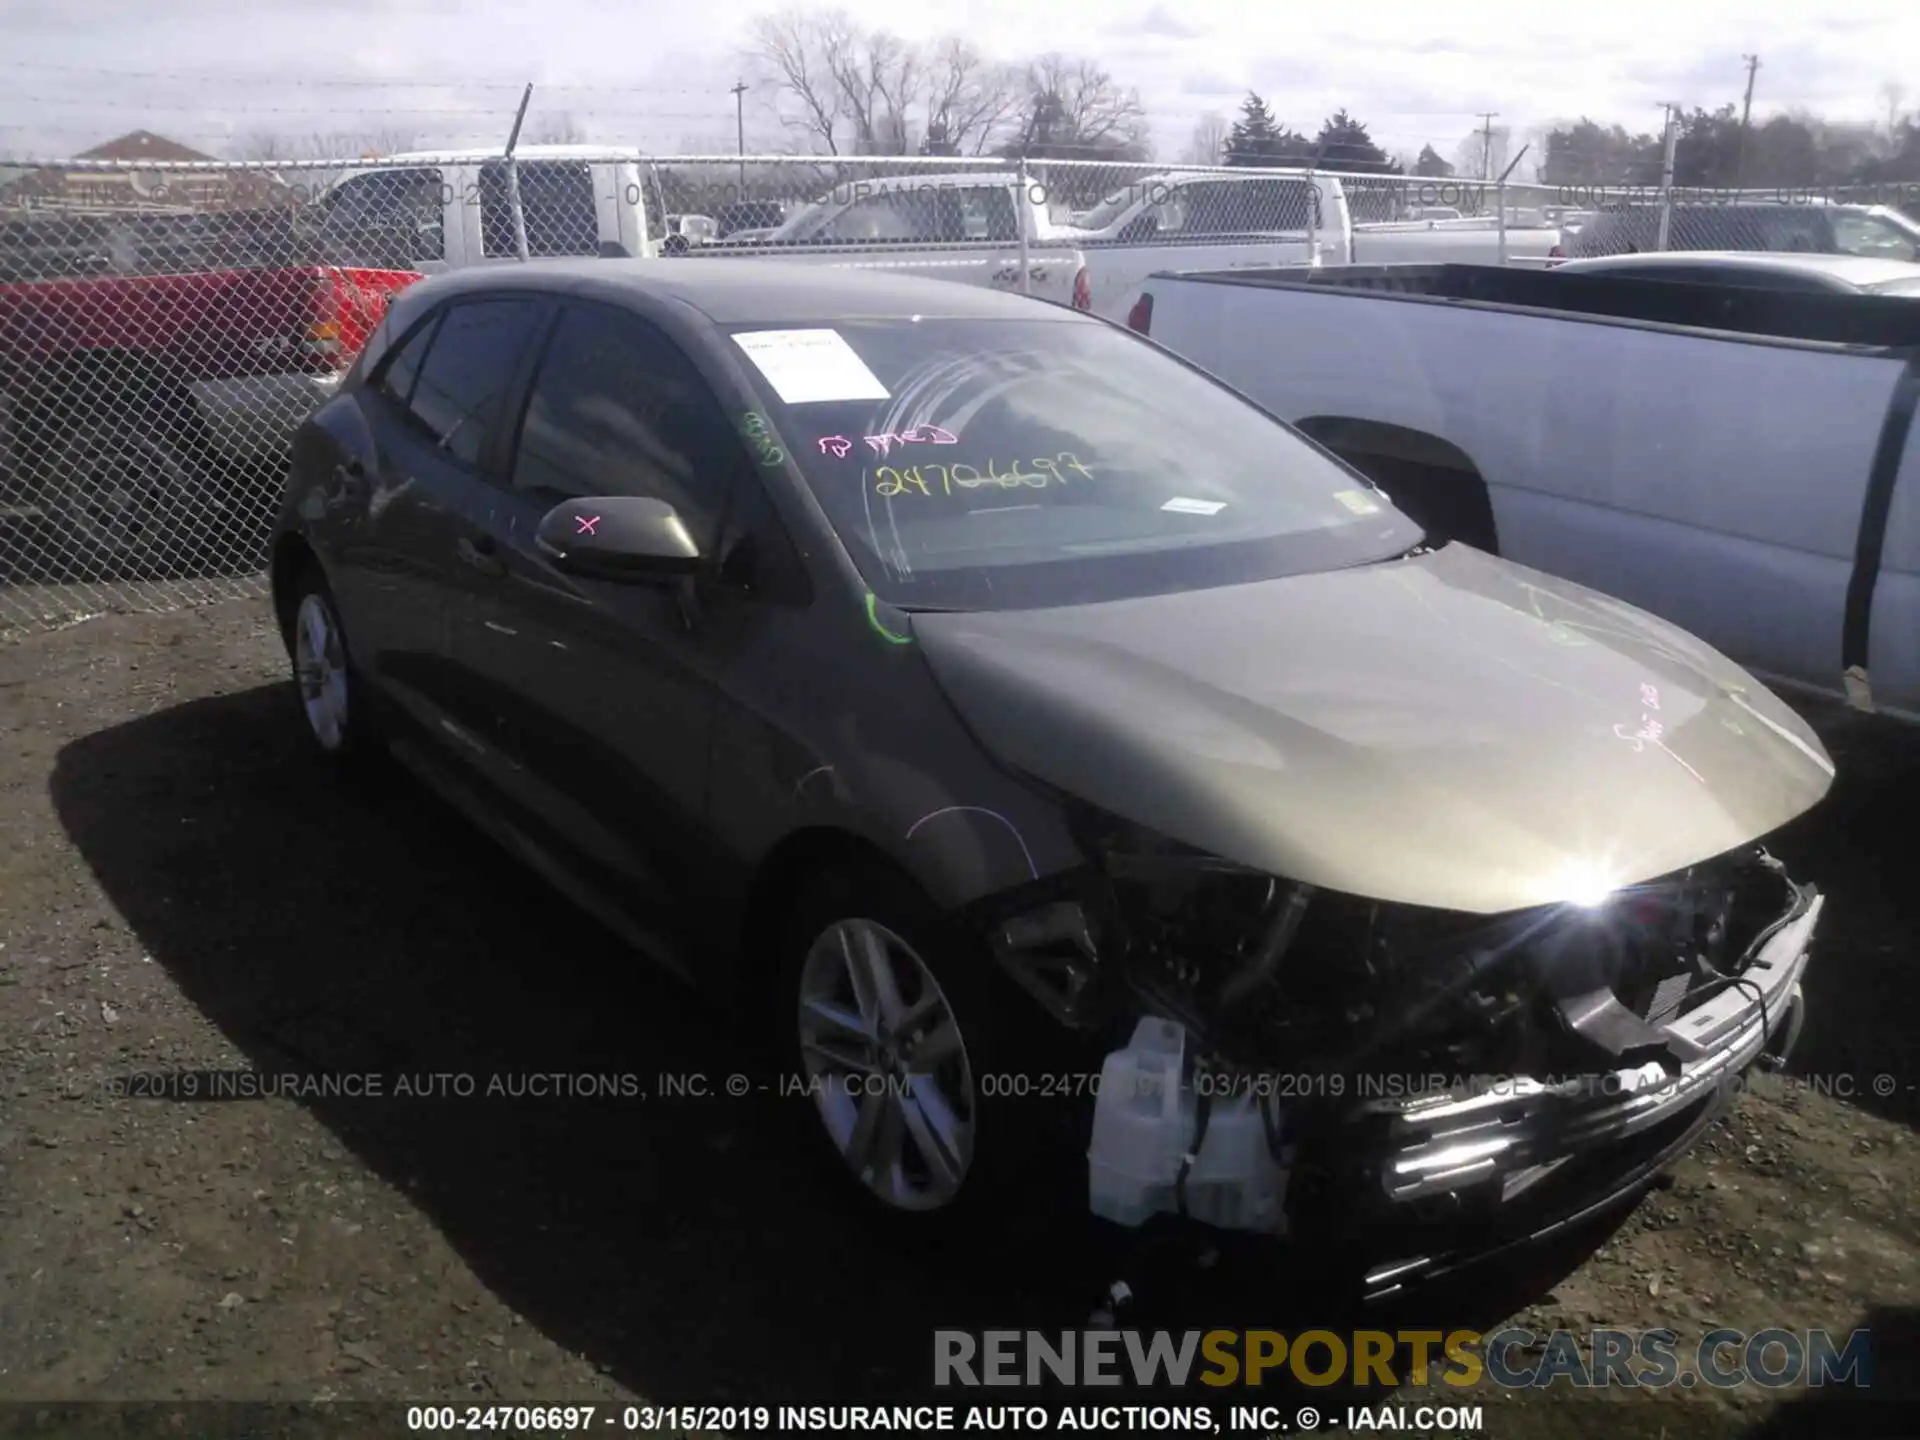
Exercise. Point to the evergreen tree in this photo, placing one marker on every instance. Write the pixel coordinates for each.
(1253, 139)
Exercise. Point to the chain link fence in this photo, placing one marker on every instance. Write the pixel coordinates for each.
(165, 328)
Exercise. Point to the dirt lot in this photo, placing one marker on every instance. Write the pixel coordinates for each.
(181, 894)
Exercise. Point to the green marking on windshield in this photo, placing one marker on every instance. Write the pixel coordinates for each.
(873, 619)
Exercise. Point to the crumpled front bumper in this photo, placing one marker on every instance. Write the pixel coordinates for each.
(1513, 1126)
(1554, 1154)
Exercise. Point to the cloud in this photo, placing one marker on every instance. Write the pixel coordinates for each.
(1159, 20)
(75, 72)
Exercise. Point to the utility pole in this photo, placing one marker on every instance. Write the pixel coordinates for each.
(1487, 117)
(739, 92)
(1746, 115)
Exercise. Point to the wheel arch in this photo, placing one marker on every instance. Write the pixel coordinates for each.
(291, 558)
(1435, 481)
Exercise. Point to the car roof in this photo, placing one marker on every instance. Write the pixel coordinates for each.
(521, 152)
(931, 179)
(743, 291)
(1863, 271)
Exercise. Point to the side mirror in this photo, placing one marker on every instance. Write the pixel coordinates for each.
(617, 537)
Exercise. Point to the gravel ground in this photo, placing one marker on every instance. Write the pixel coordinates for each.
(182, 895)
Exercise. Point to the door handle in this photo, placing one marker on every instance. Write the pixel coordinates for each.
(483, 555)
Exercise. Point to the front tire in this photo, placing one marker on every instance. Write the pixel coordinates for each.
(899, 1028)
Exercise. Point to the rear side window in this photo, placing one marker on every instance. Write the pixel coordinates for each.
(556, 197)
(469, 369)
(1230, 207)
(985, 213)
(385, 220)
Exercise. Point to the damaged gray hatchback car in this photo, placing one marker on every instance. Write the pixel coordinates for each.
(1024, 723)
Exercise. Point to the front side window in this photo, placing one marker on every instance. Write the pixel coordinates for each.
(618, 409)
(469, 370)
(977, 464)
(397, 376)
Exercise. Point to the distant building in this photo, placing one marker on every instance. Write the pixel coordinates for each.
(129, 187)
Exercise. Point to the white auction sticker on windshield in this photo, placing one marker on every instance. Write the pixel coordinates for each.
(1358, 501)
(1181, 505)
(809, 367)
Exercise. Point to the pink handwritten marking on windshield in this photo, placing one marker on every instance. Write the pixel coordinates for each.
(835, 445)
(918, 435)
(585, 525)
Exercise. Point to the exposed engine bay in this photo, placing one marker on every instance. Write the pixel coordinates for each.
(1386, 1057)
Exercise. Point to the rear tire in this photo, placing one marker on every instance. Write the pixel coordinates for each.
(332, 698)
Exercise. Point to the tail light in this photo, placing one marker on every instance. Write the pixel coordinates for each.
(1082, 290)
(345, 312)
(1140, 318)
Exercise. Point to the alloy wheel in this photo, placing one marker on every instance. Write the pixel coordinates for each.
(886, 1065)
(320, 667)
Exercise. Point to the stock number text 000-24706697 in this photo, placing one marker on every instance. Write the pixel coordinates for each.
(945, 479)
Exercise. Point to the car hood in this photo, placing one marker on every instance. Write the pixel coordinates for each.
(1447, 729)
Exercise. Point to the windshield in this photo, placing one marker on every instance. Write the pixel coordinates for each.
(1005, 464)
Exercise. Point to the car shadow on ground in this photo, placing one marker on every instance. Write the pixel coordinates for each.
(686, 1246)
(1860, 1041)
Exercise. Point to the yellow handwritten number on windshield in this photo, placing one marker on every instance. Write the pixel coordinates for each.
(945, 479)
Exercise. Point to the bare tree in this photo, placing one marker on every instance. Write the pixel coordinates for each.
(969, 98)
(1484, 153)
(1208, 144)
(272, 145)
(1893, 92)
(560, 129)
(803, 49)
(876, 77)
(1074, 107)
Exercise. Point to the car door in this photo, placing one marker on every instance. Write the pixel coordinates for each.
(416, 558)
(602, 692)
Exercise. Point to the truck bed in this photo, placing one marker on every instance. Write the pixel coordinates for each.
(1858, 321)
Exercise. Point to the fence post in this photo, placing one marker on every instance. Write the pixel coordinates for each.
(1023, 214)
(1313, 213)
(1500, 199)
(513, 178)
(1666, 181)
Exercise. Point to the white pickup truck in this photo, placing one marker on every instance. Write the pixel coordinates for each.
(970, 226)
(438, 211)
(1741, 462)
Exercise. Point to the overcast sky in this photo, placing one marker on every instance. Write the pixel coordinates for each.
(655, 73)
